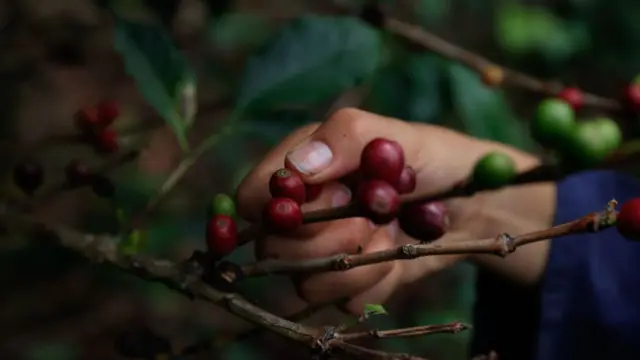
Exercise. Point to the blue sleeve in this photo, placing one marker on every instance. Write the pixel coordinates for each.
(587, 305)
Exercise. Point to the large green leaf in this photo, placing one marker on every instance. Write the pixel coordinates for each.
(484, 111)
(160, 71)
(408, 88)
(310, 60)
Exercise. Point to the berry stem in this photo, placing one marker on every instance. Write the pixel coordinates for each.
(627, 155)
(501, 245)
(427, 40)
(454, 327)
(184, 279)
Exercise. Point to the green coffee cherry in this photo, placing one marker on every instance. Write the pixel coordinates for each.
(609, 131)
(586, 147)
(494, 170)
(554, 123)
(222, 204)
(135, 243)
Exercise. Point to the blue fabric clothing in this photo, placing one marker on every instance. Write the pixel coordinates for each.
(588, 304)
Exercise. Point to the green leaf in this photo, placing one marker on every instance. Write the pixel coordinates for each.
(409, 89)
(425, 101)
(160, 71)
(374, 309)
(484, 111)
(312, 59)
(271, 127)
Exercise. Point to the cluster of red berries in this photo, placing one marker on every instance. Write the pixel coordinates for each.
(95, 124)
(580, 144)
(28, 176)
(382, 178)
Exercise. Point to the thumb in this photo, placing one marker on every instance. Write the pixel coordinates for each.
(335, 148)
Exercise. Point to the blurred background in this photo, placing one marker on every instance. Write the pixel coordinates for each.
(285, 63)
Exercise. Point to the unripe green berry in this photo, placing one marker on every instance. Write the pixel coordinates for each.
(222, 204)
(554, 122)
(609, 131)
(494, 170)
(586, 147)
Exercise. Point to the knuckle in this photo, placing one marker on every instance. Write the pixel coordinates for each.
(358, 234)
(349, 120)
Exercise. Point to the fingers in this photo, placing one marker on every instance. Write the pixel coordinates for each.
(333, 285)
(334, 149)
(341, 236)
(253, 192)
(323, 153)
(379, 293)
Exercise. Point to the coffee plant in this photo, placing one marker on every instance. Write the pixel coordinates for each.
(384, 186)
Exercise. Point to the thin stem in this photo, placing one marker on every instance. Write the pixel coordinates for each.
(179, 172)
(501, 245)
(427, 40)
(627, 155)
(454, 328)
(185, 279)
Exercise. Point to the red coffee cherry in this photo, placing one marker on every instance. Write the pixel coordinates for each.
(222, 235)
(313, 191)
(282, 215)
(78, 173)
(407, 181)
(572, 96)
(108, 112)
(378, 201)
(107, 141)
(424, 221)
(28, 175)
(382, 159)
(285, 183)
(632, 97)
(628, 220)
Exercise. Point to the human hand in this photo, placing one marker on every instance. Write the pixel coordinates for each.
(325, 153)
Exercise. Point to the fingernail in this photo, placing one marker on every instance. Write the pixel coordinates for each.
(311, 158)
(341, 196)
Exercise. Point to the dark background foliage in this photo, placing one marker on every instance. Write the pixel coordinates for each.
(283, 63)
